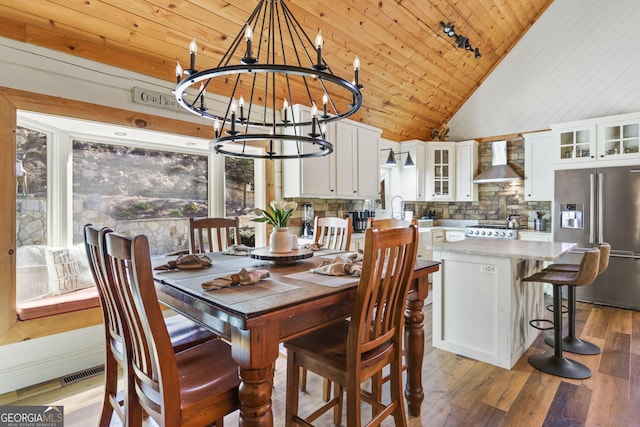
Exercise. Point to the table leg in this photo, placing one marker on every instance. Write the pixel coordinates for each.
(255, 351)
(255, 397)
(414, 353)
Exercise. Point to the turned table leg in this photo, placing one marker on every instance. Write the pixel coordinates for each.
(414, 351)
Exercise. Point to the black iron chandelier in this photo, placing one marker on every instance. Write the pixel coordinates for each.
(271, 65)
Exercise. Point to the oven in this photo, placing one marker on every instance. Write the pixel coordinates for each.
(490, 232)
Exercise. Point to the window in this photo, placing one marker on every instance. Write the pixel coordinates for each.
(240, 195)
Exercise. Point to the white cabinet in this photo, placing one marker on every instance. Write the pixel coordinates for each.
(441, 171)
(538, 168)
(603, 141)
(413, 178)
(535, 236)
(351, 171)
(466, 168)
(310, 177)
(356, 160)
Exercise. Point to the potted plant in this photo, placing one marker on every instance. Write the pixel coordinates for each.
(277, 215)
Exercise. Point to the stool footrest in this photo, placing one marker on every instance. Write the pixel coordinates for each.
(535, 324)
(549, 307)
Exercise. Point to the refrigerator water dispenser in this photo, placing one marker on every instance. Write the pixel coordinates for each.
(571, 216)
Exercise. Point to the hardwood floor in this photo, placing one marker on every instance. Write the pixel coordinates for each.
(464, 392)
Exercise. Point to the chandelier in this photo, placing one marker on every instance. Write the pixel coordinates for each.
(270, 66)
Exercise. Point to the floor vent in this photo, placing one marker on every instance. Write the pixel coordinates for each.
(79, 376)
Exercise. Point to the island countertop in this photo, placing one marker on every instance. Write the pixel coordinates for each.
(507, 248)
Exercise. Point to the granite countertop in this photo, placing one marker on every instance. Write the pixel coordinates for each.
(506, 248)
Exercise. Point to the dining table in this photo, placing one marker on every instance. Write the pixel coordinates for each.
(256, 318)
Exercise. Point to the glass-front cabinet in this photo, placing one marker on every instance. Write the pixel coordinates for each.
(575, 143)
(618, 138)
(611, 140)
(441, 171)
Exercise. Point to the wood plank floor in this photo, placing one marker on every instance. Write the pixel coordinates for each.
(464, 392)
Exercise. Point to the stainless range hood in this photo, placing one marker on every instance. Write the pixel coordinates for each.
(499, 171)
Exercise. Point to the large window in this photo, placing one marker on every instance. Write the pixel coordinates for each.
(240, 195)
(31, 186)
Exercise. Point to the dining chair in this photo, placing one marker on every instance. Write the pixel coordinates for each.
(183, 334)
(388, 223)
(213, 234)
(195, 387)
(332, 232)
(351, 351)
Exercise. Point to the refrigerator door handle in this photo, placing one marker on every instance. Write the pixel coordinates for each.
(592, 208)
(600, 210)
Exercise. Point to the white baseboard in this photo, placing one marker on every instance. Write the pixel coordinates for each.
(34, 361)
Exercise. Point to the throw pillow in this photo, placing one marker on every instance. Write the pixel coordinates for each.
(68, 269)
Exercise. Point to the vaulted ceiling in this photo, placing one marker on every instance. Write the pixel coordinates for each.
(415, 77)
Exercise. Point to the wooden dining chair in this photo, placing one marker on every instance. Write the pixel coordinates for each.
(332, 232)
(183, 334)
(195, 387)
(388, 223)
(350, 352)
(213, 234)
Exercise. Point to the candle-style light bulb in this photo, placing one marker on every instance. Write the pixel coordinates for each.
(216, 128)
(285, 107)
(248, 36)
(202, 93)
(314, 119)
(319, 43)
(193, 48)
(241, 103)
(356, 69)
(323, 130)
(325, 100)
(178, 72)
(232, 108)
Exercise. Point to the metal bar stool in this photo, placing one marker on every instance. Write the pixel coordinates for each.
(556, 363)
(571, 343)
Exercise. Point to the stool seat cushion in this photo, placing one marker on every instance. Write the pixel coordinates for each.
(587, 272)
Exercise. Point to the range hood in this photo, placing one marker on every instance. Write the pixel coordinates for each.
(499, 171)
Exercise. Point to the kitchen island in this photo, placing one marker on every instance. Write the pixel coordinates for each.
(481, 306)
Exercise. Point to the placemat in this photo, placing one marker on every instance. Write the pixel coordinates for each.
(323, 279)
(234, 294)
(220, 263)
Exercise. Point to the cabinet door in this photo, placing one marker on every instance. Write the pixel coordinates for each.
(311, 177)
(618, 139)
(441, 172)
(368, 182)
(346, 146)
(538, 169)
(575, 144)
(413, 178)
(466, 168)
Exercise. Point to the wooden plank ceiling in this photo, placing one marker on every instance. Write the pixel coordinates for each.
(415, 77)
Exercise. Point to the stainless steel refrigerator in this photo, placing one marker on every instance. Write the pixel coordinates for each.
(603, 205)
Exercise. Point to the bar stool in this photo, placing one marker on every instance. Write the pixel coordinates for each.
(556, 363)
(571, 343)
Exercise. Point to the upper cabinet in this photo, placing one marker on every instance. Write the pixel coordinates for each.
(610, 141)
(538, 169)
(466, 168)
(412, 178)
(310, 177)
(351, 171)
(441, 171)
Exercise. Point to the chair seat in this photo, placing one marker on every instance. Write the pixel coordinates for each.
(208, 377)
(185, 333)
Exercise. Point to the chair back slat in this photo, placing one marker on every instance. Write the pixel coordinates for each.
(378, 314)
(153, 357)
(213, 234)
(333, 232)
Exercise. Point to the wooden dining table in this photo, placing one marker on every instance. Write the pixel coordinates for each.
(292, 301)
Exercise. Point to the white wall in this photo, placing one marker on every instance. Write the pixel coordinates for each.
(578, 61)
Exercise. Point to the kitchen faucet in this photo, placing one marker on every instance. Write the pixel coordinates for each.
(401, 207)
